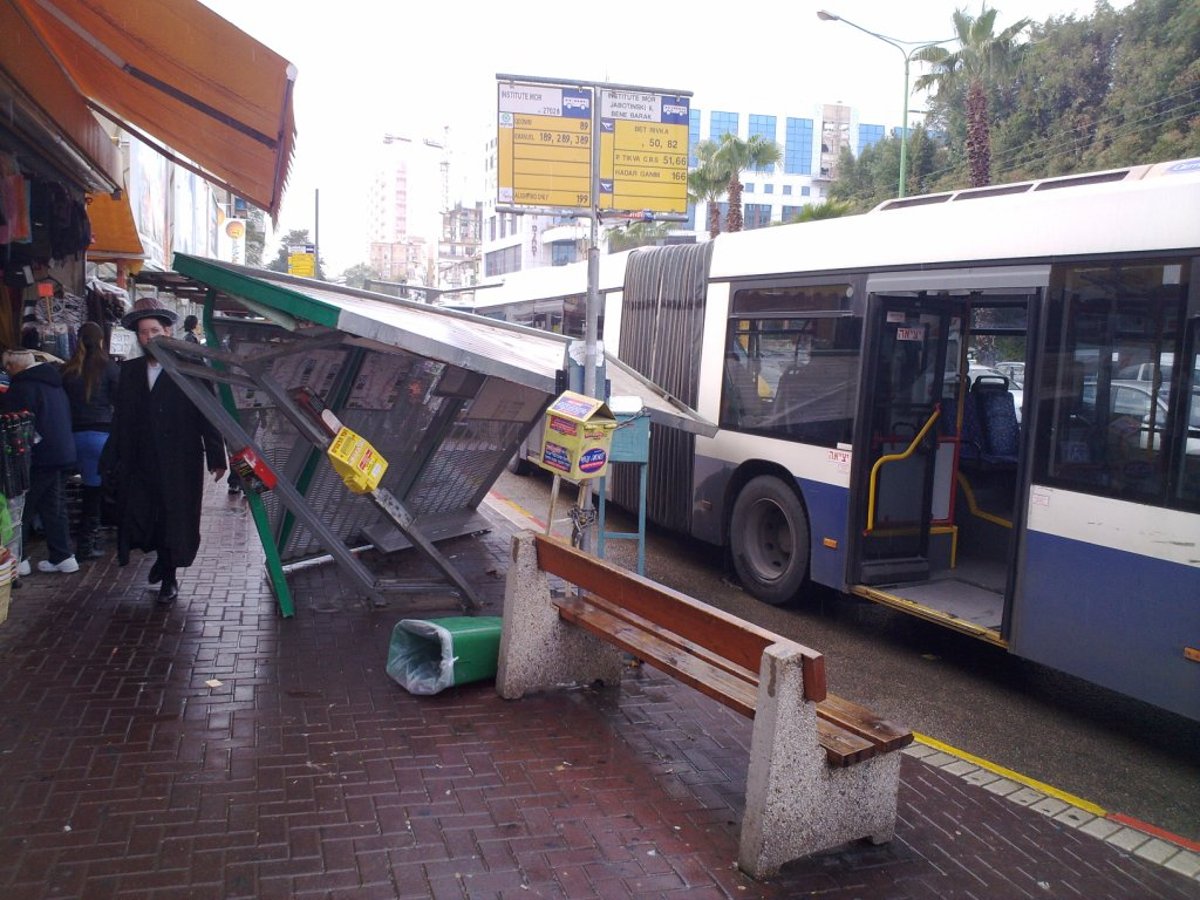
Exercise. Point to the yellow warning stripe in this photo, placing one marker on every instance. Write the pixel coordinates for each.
(1014, 776)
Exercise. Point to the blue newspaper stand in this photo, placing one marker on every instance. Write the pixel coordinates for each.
(630, 445)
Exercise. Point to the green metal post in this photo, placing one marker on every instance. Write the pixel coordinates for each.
(258, 510)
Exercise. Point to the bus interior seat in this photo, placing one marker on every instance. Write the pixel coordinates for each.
(811, 400)
(741, 387)
(789, 396)
(990, 434)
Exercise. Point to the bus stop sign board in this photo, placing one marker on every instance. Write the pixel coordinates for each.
(643, 151)
(546, 152)
(544, 145)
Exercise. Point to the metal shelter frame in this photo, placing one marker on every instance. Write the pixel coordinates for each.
(445, 397)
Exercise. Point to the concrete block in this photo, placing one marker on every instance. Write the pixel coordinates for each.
(539, 651)
(796, 804)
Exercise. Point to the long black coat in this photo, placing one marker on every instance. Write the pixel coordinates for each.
(160, 444)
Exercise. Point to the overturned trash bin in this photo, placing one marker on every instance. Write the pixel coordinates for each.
(429, 655)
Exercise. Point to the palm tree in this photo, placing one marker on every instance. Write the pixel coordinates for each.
(982, 59)
(732, 157)
(826, 209)
(706, 184)
(636, 234)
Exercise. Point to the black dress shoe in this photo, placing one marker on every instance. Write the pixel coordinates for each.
(168, 592)
(155, 573)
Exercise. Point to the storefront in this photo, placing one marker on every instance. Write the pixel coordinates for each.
(80, 77)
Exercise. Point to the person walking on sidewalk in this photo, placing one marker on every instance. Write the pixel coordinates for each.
(157, 453)
(190, 324)
(37, 387)
(90, 380)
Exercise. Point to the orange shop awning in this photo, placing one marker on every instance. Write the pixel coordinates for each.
(179, 73)
(114, 234)
(46, 114)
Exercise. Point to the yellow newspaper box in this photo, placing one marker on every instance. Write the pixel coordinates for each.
(577, 436)
(360, 466)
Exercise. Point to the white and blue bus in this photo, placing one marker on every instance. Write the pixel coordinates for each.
(979, 407)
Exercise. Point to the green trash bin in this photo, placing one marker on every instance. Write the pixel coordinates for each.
(429, 655)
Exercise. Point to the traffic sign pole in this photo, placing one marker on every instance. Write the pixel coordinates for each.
(636, 140)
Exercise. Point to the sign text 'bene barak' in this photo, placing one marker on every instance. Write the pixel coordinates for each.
(643, 151)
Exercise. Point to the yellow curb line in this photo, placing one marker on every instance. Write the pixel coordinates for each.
(513, 511)
(1046, 789)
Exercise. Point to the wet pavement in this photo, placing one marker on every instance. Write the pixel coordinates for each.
(214, 749)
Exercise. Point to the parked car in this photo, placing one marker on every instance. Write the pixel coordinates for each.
(1146, 371)
(1133, 398)
(1013, 371)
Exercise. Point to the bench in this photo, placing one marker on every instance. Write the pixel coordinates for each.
(822, 769)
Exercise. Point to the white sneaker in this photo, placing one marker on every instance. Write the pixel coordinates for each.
(66, 566)
(23, 568)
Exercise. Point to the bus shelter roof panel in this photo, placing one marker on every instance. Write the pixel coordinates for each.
(526, 357)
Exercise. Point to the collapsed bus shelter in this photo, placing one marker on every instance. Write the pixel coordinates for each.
(433, 403)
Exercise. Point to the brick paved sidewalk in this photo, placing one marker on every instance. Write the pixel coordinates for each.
(213, 749)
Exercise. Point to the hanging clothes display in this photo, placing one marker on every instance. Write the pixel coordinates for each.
(51, 319)
(42, 222)
(40, 219)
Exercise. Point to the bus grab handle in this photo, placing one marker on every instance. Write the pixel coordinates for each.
(895, 457)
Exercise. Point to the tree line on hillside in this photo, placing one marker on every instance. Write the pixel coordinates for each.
(1117, 88)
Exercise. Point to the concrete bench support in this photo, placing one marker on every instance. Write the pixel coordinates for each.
(539, 651)
(796, 804)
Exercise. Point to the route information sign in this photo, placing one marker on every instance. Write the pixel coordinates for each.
(544, 145)
(643, 151)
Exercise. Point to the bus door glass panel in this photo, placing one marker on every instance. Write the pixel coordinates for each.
(908, 383)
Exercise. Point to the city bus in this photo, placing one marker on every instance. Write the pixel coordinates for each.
(870, 440)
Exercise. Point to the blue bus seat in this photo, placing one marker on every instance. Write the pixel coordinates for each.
(991, 434)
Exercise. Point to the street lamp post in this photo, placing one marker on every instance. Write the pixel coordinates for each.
(826, 16)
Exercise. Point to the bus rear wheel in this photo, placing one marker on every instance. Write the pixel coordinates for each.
(769, 540)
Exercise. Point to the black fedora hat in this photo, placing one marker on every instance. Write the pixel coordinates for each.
(148, 308)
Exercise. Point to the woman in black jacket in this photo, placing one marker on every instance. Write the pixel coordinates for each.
(90, 380)
(37, 387)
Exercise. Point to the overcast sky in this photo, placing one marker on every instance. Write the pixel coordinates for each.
(368, 68)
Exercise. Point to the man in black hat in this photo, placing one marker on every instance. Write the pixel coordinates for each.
(160, 443)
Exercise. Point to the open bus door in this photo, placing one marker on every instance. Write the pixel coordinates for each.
(936, 520)
(908, 341)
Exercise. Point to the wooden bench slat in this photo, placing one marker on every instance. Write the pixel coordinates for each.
(887, 736)
(842, 747)
(671, 637)
(735, 639)
(734, 692)
(839, 711)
